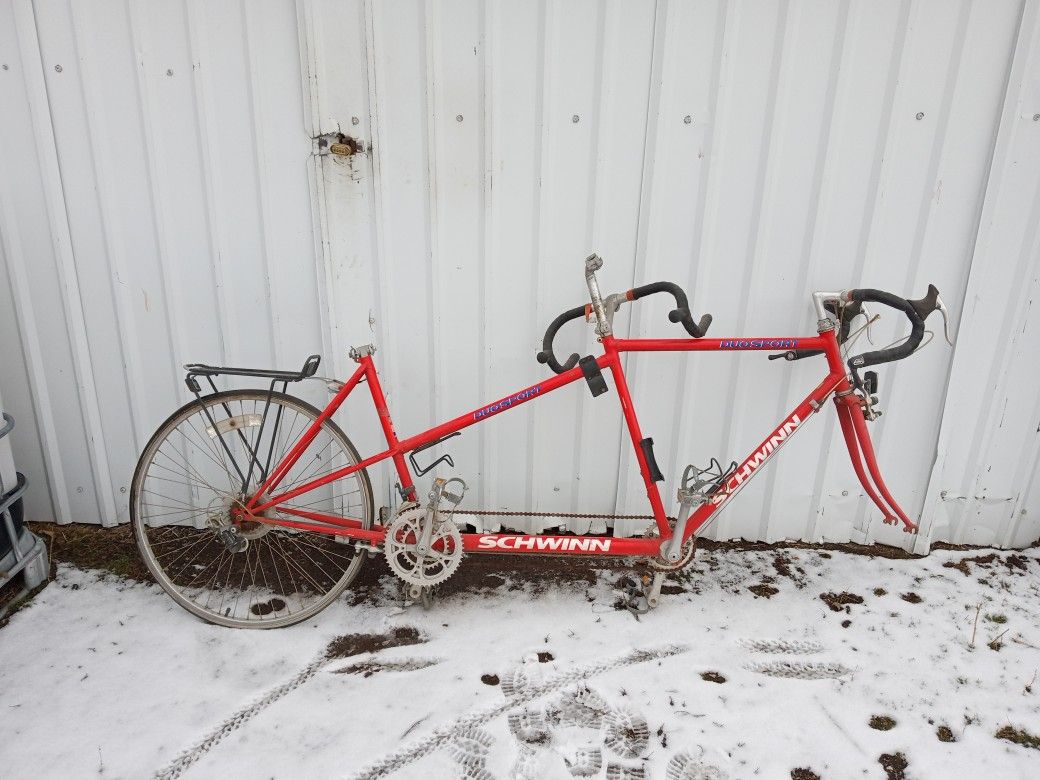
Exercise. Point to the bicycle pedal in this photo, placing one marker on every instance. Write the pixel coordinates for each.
(637, 603)
(454, 498)
(417, 594)
(439, 492)
(639, 598)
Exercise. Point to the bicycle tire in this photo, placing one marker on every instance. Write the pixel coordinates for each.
(295, 586)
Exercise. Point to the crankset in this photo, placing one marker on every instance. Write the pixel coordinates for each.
(422, 569)
(423, 545)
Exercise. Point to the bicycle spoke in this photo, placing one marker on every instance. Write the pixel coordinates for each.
(306, 474)
(205, 445)
(292, 563)
(294, 505)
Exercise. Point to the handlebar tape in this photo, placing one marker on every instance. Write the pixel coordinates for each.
(681, 312)
(547, 355)
(892, 353)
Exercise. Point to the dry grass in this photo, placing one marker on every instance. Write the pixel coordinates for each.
(1019, 737)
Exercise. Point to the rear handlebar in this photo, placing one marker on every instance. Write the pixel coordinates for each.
(681, 314)
(547, 355)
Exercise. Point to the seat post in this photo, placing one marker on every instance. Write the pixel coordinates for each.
(592, 264)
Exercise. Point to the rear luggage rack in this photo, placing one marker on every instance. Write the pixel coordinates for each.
(310, 367)
(195, 370)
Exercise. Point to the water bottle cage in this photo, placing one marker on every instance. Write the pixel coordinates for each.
(703, 483)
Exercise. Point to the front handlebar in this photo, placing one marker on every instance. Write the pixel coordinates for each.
(846, 306)
(900, 351)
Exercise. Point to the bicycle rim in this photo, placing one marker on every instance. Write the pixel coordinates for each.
(191, 474)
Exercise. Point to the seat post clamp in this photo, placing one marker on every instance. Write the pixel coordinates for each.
(356, 353)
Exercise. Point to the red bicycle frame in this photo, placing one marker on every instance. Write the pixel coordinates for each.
(836, 383)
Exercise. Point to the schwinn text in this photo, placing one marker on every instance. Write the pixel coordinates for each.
(764, 453)
(546, 543)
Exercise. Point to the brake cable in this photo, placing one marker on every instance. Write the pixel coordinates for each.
(924, 342)
(854, 336)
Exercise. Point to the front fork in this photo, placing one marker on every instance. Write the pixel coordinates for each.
(857, 439)
(853, 412)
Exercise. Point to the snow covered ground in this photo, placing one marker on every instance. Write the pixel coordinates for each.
(104, 678)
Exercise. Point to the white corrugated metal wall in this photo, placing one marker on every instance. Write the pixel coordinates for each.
(161, 202)
(984, 487)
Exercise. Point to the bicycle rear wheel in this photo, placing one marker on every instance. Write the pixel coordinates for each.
(210, 456)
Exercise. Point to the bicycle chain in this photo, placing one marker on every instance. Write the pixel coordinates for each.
(568, 515)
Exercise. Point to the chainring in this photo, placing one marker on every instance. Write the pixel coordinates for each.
(427, 570)
(686, 553)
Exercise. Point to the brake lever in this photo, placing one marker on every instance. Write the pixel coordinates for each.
(932, 302)
(946, 319)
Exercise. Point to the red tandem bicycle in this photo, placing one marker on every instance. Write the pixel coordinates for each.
(253, 509)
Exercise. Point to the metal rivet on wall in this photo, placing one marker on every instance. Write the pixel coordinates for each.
(943, 494)
(122, 490)
(458, 117)
(58, 68)
(1036, 117)
(79, 489)
(355, 121)
(687, 119)
(169, 71)
(575, 119)
(5, 66)
(844, 492)
(920, 115)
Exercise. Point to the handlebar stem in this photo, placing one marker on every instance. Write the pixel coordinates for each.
(820, 298)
